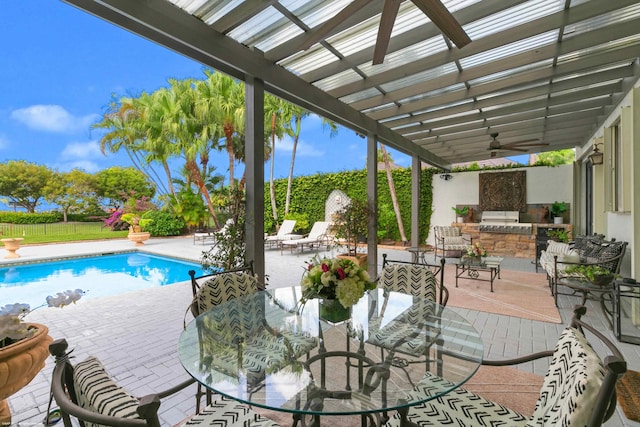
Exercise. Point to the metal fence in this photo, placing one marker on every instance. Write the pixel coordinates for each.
(56, 228)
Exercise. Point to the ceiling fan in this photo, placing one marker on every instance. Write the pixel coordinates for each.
(521, 146)
(434, 9)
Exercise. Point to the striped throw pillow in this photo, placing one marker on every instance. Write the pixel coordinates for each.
(97, 392)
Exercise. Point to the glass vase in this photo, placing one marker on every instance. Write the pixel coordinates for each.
(332, 311)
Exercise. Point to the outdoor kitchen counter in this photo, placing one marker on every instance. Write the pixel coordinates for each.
(507, 244)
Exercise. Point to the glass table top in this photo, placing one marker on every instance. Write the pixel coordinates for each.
(485, 261)
(268, 350)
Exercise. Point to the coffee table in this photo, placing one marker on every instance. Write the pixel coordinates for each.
(473, 267)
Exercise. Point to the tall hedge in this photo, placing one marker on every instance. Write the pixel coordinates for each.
(309, 194)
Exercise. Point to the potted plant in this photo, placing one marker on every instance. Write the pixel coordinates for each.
(460, 212)
(558, 235)
(137, 224)
(350, 226)
(594, 274)
(557, 210)
(24, 346)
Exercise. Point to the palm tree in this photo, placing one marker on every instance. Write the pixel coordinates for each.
(126, 130)
(392, 191)
(185, 127)
(224, 97)
(154, 109)
(276, 113)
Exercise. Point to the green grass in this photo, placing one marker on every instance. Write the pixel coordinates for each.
(60, 232)
(61, 238)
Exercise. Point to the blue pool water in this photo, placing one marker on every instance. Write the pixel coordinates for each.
(98, 276)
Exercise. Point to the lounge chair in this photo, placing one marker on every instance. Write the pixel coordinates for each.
(284, 233)
(317, 237)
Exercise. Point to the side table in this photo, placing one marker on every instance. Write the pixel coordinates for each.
(626, 310)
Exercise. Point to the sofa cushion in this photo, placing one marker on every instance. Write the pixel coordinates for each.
(558, 247)
(453, 240)
(609, 251)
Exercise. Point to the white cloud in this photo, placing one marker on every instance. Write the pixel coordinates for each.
(81, 150)
(303, 149)
(52, 118)
(85, 165)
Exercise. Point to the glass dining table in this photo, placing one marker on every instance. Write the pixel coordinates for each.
(269, 350)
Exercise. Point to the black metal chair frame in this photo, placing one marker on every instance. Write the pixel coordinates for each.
(63, 392)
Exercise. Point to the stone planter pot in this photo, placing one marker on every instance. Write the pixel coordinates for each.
(12, 245)
(358, 259)
(139, 237)
(557, 220)
(19, 364)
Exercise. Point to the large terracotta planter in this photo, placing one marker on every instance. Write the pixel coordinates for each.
(19, 364)
(358, 259)
(12, 245)
(138, 237)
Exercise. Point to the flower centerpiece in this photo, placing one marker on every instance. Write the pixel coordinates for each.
(476, 251)
(335, 279)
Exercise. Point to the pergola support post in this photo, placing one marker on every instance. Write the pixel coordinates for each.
(254, 164)
(372, 201)
(415, 201)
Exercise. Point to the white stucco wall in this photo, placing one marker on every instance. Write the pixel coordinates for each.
(544, 185)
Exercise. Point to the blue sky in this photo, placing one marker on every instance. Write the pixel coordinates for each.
(60, 68)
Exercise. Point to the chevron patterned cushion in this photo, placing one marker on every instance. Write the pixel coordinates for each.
(410, 279)
(459, 407)
(97, 392)
(227, 412)
(261, 347)
(399, 333)
(446, 231)
(224, 287)
(571, 385)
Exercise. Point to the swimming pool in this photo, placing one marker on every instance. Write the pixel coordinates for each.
(98, 276)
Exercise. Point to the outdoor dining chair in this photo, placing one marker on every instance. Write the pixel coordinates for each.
(401, 334)
(258, 339)
(578, 390)
(87, 394)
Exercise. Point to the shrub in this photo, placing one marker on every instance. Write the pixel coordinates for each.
(164, 224)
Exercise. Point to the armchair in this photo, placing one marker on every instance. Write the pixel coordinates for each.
(87, 393)
(579, 388)
(450, 239)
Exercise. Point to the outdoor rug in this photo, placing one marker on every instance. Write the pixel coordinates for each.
(516, 293)
(628, 391)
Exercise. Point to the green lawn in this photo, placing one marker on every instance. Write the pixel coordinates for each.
(60, 232)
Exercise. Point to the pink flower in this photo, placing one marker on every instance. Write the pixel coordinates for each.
(325, 268)
(341, 274)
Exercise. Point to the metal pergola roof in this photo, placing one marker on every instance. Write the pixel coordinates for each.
(544, 70)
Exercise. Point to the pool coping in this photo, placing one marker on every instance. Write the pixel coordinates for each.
(17, 262)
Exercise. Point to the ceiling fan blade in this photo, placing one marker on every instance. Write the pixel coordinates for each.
(521, 150)
(443, 19)
(320, 32)
(387, 19)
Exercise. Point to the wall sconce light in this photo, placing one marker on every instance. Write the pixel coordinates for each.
(446, 176)
(596, 158)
